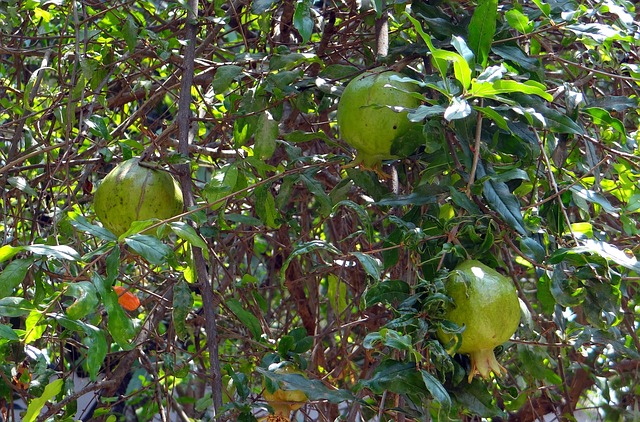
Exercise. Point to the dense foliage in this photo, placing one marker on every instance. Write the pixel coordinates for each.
(525, 157)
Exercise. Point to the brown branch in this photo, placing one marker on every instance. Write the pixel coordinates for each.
(185, 136)
(382, 33)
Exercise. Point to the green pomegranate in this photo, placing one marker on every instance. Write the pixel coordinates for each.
(284, 401)
(486, 304)
(133, 192)
(371, 114)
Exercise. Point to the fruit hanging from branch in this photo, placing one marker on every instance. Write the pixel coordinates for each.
(372, 113)
(135, 191)
(486, 304)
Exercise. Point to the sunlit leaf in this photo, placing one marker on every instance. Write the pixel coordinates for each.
(86, 299)
(36, 404)
(54, 251)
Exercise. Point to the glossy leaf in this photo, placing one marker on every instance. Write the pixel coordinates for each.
(150, 248)
(86, 299)
(302, 20)
(12, 275)
(482, 28)
(14, 306)
(387, 292)
(371, 264)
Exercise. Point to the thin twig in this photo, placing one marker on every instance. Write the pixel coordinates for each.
(476, 153)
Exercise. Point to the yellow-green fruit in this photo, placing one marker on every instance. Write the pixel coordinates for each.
(371, 114)
(486, 304)
(284, 401)
(132, 192)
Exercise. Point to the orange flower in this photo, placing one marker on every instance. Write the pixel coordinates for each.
(126, 299)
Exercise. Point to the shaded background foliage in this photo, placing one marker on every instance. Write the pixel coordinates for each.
(525, 158)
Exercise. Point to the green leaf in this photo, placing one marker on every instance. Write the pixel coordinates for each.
(150, 248)
(458, 109)
(463, 201)
(596, 198)
(364, 216)
(437, 390)
(54, 251)
(7, 333)
(224, 76)
(308, 247)
(302, 20)
(533, 249)
(265, 136)
(482, 28)
(477, 399)
(130, 33)
(119, 325)
(298, 136)
(96, 350)
(113, 266)
(416, 198)
(313, 388)
(15, 306)
(461, 69)
(387, 292)
(34, 327)
(371, 264)
(424, 112)
(21, 184)
(603, 117)
(182, 305)
(614, 103)
(491, 90)
(317, 190)
(7, 252)
(504, 203)
(396, 377)
(12, 275)
(189, 234)
(388, 338)
(223, 182)
(265, 207)
(519, 21)
(337, 293)
(36, 405)
(625, 259)
(461, 47)
(517, 57)
(260, 6)
(247, 318)
(82, 224)
(86, 299)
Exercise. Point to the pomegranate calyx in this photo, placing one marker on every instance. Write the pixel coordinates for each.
(483, 362)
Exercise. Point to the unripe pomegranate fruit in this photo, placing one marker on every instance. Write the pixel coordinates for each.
(486, 304)
(133, 192)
